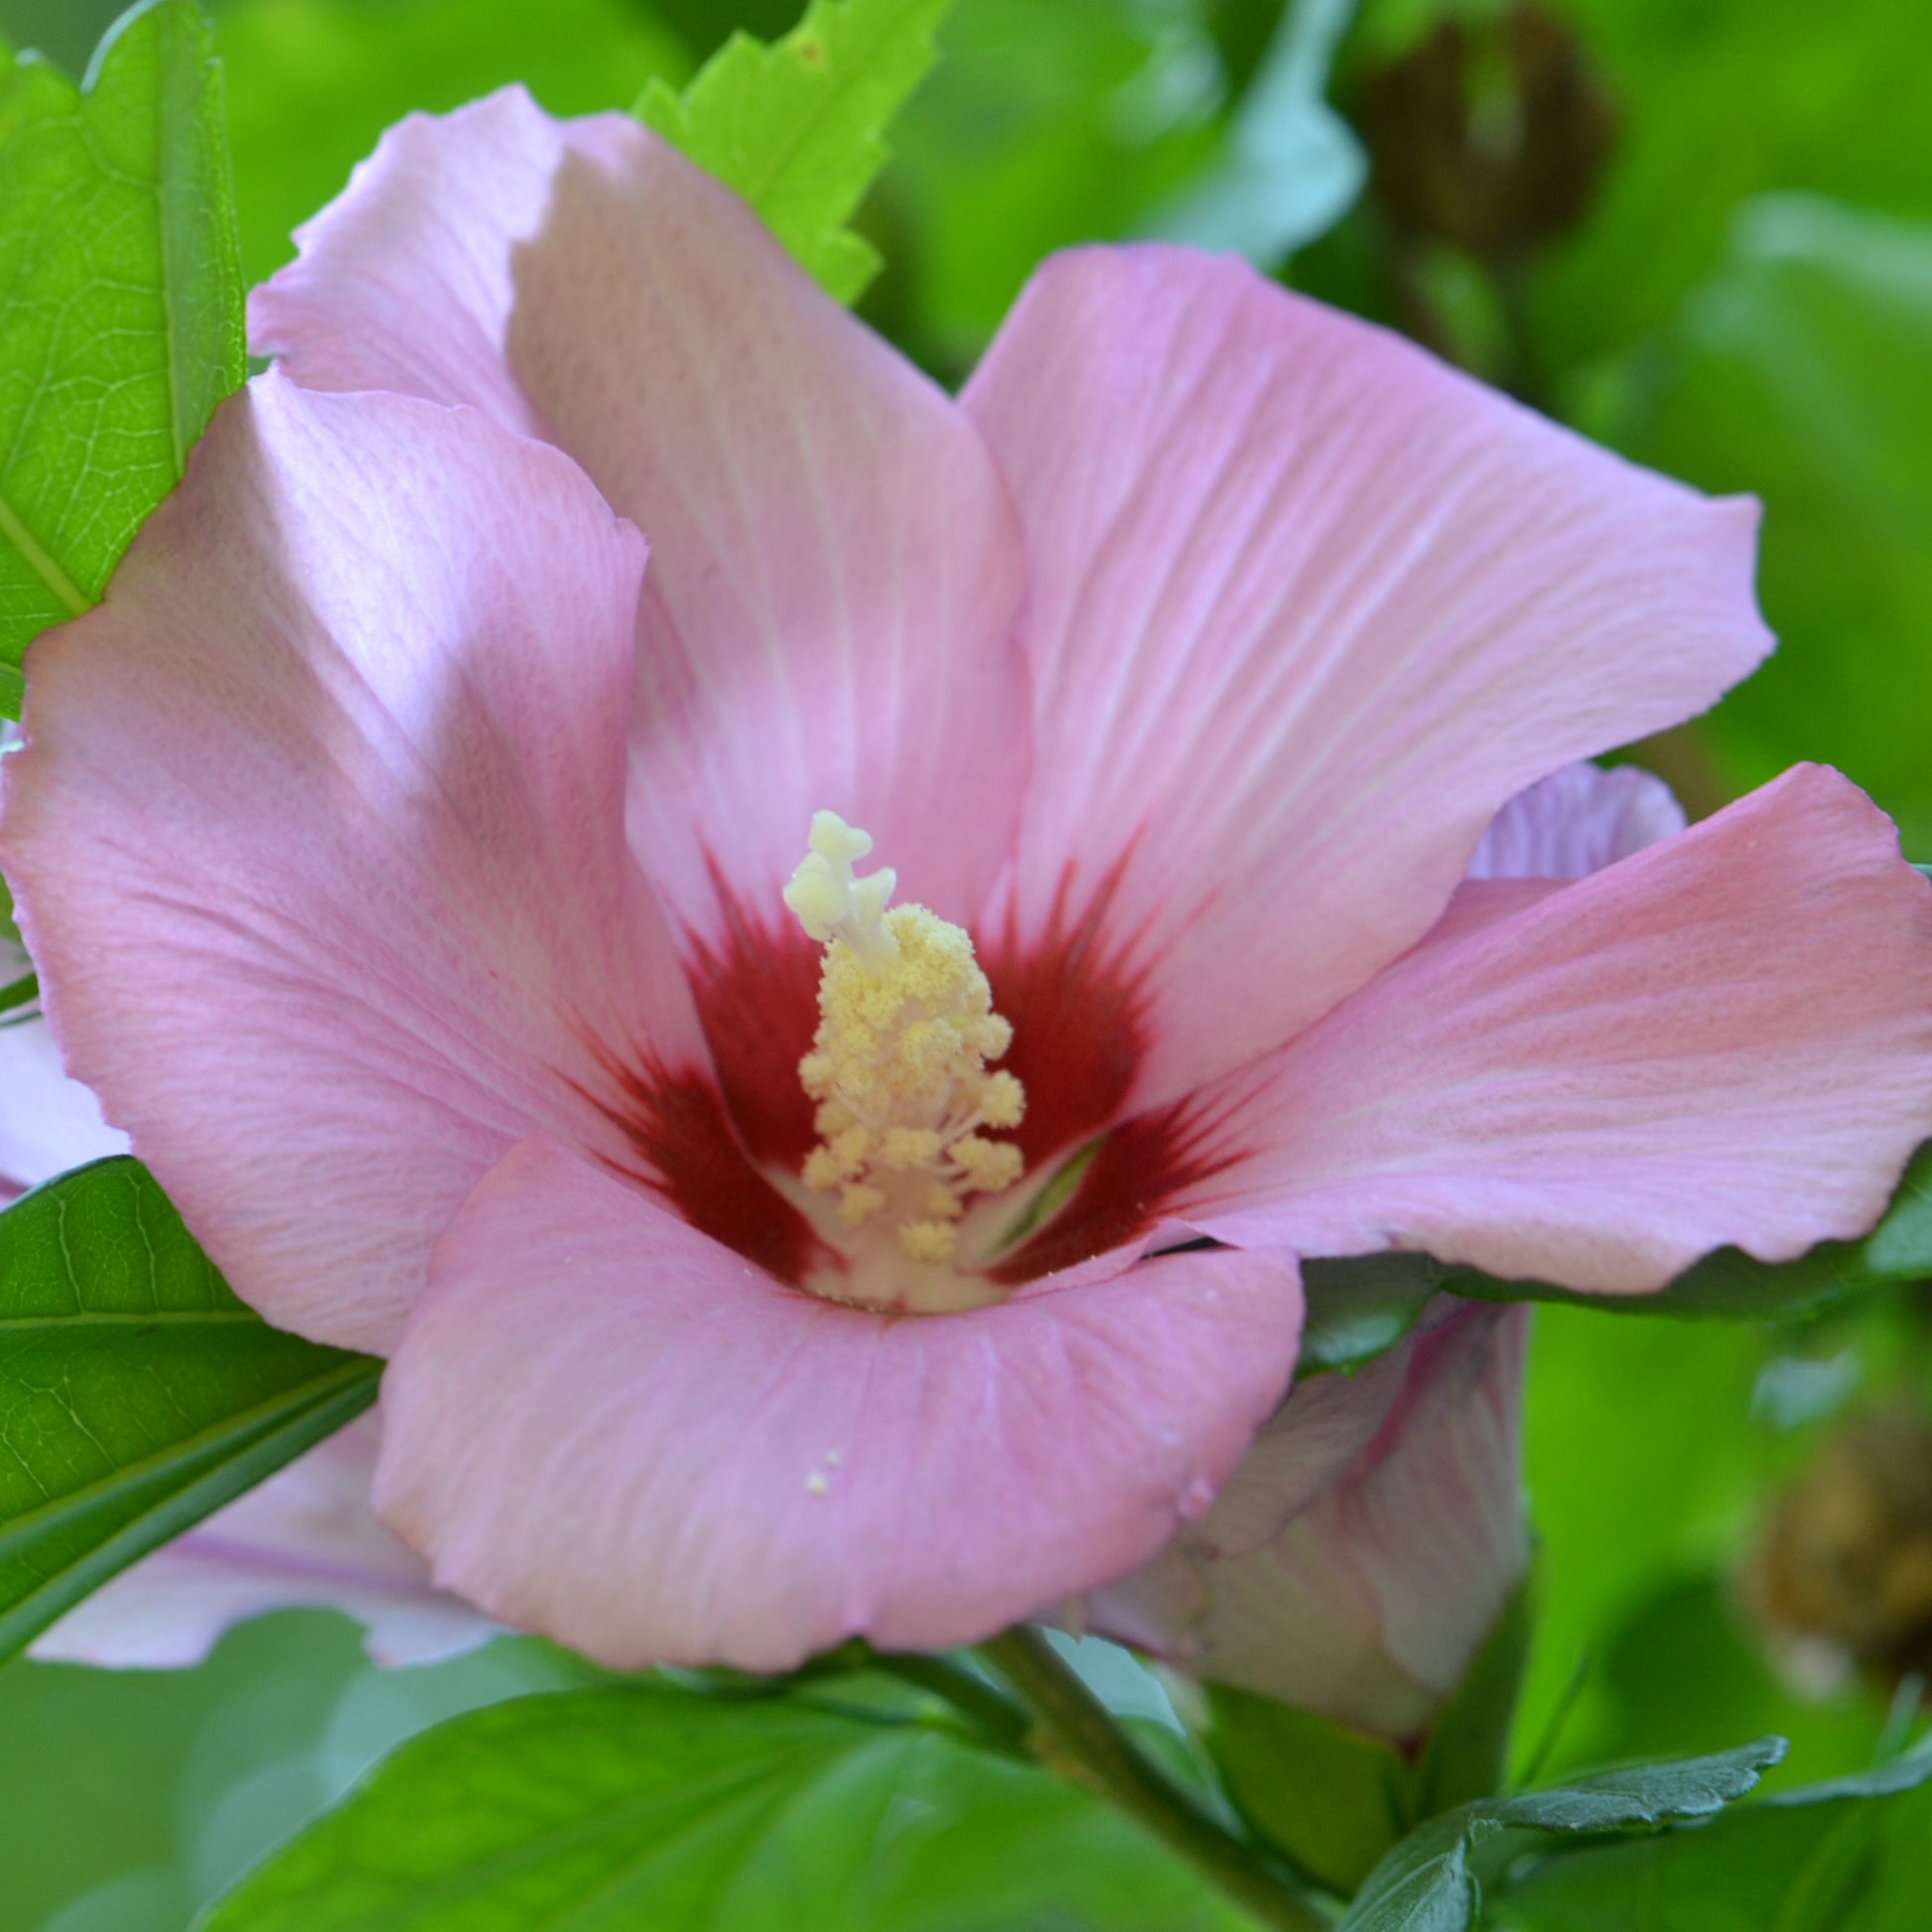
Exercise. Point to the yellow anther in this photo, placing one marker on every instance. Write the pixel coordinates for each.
(1003, 1102)
(858, 1203)
(929, 1241)
(941, 1203)
(988, 1166)
(908, 1147)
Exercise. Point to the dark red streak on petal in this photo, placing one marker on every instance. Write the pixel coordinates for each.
(689, 1156)
(1078, 1026)
(1142, 1165)
(757, 1000)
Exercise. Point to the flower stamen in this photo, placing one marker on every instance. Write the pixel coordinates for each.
(899, 1063)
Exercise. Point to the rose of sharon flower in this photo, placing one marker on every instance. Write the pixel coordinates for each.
(307, 1536)
(1175, 669)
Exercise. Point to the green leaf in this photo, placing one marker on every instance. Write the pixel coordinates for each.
(1334, 1800)
(1801, 1860)
(647, 1805)
(121, 307)
(1360, 1309)
(1467, 1750)
(1681, 1665)
(1720, 101)
(1727, 1286)
(1629, 1497)
(1331, 1799)
(797, 129)
(1047, 124)
(19, 993)
(136, 1393)
(1425, 1884)
(1801, 371)
(311, 83)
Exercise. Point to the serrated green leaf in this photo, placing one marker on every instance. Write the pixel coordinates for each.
(136, 1393)
(120, 306)
(1801, 1861)
(649, 1805)
(797, 128)
(1426, 1886)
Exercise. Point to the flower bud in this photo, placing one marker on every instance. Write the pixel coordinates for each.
(1361, 1551)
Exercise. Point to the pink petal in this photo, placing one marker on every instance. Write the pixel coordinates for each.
(403, 282)
(48, 1123)
(1723, 1040)
(829, 618)
(835, 566)
(318, 838)
(1306, 609)
(603, 1425)
(307, 1537)
(1368, 1602)
(1577, 821)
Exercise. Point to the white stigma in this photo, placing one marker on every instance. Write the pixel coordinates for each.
(831, 902)
(898, 1064)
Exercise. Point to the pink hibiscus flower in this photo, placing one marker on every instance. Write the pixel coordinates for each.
(406, 867)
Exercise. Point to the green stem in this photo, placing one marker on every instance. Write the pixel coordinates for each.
(997, 1722)
(1078, 1737)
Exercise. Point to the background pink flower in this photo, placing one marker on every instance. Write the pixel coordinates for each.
(307, 1536)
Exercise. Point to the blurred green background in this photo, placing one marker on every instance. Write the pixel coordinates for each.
(1699, 229)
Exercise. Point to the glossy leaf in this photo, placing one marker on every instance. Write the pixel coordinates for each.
(1360, 1309)
(1803, 1861)
(1425, 1883)
(652, 1805)
(136, 1393)
(797, 128)
(120, 306)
